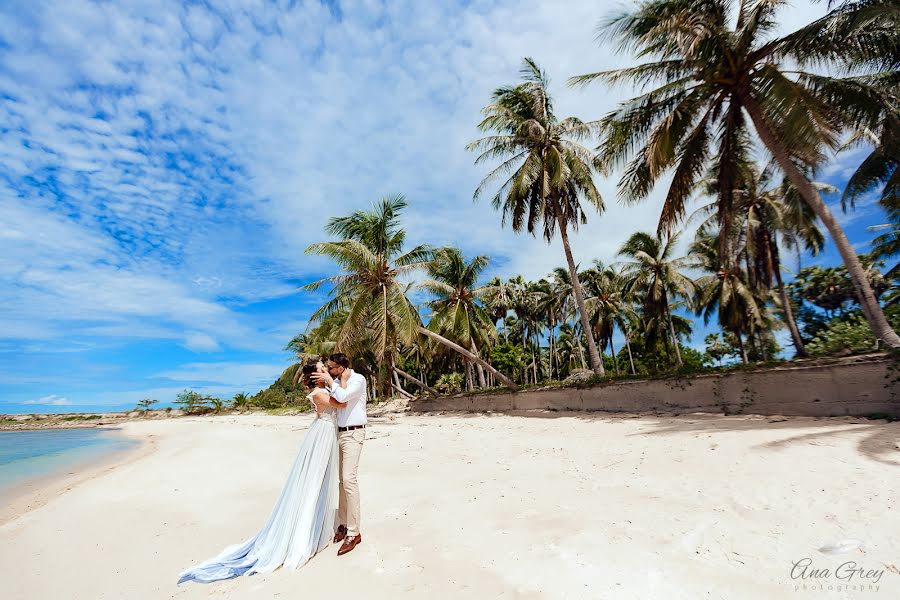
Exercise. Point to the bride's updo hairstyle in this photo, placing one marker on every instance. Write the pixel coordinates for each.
(308, 369)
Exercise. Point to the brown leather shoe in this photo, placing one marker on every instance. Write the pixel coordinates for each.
(350, 543)
(341, 533)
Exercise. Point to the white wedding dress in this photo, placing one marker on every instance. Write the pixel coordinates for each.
(303, 520)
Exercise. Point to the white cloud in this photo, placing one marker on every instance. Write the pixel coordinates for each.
(201, 342)
(51, 400)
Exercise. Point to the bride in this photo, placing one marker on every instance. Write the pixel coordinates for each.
(303, 520)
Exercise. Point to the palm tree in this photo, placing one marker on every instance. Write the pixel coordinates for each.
(526, 299)
(458, 316)
(609, 304)
(553, 308)
(551, 172)
(532, 297)
(379, 315)
(568, 348)
(653, 272)
(725, 291)
(498, 299)
(560, 304)
(370, 292)
(711, 73)
(561, 287)
(771, 216)
(716, 347)
(774, 215)
(240, 400)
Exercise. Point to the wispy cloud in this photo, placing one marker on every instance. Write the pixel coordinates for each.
(51, 400)
(226, 373)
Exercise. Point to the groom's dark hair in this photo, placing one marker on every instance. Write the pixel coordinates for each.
(341, 359)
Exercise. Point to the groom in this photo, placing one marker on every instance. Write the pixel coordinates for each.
(349, 388)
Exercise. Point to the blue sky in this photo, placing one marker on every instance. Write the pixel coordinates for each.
(163, 167)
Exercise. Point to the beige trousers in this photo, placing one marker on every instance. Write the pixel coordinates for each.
(350, 444)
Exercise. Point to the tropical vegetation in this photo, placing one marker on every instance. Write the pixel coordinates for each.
(737, 117)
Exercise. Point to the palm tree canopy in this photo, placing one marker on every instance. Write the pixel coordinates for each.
(377, 229)
(880, 167)
(457, 313)
(707, 68)
(609, 300)
(548, 173)
(762, 205)
(724, 290)
(653, 271)
(370, 290)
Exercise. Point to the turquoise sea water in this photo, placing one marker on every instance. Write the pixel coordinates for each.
(36, 453)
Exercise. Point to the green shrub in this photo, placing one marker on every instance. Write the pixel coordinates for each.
(240, 400)
(450, 383)
(507, 358)
(192, 402)
(849, 334)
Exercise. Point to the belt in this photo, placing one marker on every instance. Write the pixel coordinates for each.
(351, 427)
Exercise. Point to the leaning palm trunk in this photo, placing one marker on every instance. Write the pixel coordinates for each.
(524, 355)
(867, 301)
(553, 371)
(785, 300)
(418, 382)
(612, 348)
(397, 385)
(442, 340)
(740, 340)
(596, 362)
(405, 394)
(479, 368)
(674, 338)
(630, 357)
(762, 346)
(789, 317)
(399, 388)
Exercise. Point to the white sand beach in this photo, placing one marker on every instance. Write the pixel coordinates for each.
(484, 506)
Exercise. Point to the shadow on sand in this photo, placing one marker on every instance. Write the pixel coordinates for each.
(879, 439)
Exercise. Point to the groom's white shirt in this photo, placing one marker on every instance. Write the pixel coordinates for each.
(353, 397)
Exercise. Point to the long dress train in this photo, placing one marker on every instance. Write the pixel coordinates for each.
(302, 522)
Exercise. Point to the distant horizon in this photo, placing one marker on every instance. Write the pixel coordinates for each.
(85, 409)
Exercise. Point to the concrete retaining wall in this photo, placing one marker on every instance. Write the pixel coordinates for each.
(856, 386)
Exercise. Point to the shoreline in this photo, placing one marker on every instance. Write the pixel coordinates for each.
(24, 497)
(36, 421)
